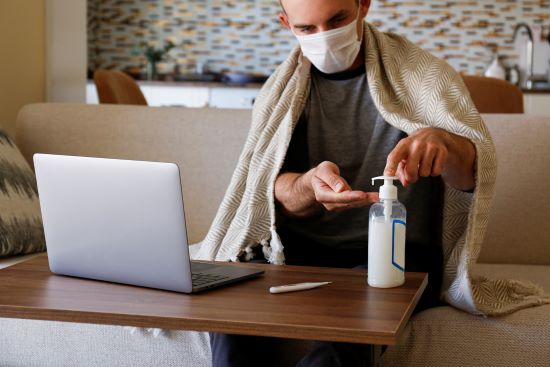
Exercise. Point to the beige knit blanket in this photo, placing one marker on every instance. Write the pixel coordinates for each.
(412, 90)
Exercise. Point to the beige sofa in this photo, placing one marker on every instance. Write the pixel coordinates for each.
(206, 144)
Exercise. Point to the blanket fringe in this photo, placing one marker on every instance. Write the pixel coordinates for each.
(273, 250)
(249, 253)
(265, 248)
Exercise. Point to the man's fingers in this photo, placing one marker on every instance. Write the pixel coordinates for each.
(343, 207)
(334, 193)
(413, 161)
(371, 198)
(329, 173)
(401, 174)
(327, 196)
(426, 163)
(439, 162)
(337, 183)
(399, 153)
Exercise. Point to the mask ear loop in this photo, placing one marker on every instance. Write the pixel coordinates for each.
(362, 21)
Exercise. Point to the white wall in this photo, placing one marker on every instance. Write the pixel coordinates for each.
(66, 58)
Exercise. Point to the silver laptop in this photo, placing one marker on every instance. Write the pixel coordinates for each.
(121, 221)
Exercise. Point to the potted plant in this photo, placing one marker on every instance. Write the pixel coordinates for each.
(155, 55)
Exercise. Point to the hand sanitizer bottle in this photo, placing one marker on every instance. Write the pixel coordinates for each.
(387, 223)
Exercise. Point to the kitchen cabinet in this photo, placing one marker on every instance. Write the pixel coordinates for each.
(537, 103)
(195, 95)
(177, 96)
(219, 95)
(233, 97)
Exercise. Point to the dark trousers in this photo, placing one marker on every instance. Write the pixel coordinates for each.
(252, 351)
(241, 351)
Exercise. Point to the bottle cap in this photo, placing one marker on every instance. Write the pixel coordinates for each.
(388, 191)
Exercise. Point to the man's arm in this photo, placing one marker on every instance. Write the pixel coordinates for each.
(295, 196)
(302, 195)
(434, 152)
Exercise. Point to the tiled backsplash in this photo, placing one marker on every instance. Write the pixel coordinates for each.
(245, 35)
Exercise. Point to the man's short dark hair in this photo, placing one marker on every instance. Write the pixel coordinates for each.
(282, 7)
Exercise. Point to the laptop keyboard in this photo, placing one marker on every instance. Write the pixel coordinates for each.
(200, 279)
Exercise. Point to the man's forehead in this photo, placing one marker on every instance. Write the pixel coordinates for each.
(303, 10)
(313, 2)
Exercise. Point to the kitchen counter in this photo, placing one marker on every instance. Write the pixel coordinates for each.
(185, 83)
(195, 94)
(545, 90)
(205, 84)
(218, 84)
(232, 95)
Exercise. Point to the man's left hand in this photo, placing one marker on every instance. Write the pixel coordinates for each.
(433, 152)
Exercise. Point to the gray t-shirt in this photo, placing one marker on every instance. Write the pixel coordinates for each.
(341, 124)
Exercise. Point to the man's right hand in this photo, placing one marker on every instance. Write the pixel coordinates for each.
(334, 193)
(303, 195)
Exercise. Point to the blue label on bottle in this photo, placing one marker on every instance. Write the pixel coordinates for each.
(396, 260)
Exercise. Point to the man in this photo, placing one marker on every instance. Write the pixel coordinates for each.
(340, 142)
(429, 152)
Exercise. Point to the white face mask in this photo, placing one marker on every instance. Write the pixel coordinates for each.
(332, 51)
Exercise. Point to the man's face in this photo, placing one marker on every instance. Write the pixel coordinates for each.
(304, 17)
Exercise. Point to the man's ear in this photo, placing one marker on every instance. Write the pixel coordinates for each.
(283, 18)
(365, 6)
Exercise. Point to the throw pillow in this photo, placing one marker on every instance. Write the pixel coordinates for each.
(21, 230)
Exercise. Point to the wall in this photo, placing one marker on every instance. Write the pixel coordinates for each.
(66, 57)
(228, 35)
(462, 31)
(22, 57)
(245, 35)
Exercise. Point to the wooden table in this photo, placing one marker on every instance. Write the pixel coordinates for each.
(348, 310)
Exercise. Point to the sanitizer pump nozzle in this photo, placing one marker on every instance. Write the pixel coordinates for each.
(388, 193)
(387, 229)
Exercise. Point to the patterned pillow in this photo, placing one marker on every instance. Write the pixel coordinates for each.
(21, 230)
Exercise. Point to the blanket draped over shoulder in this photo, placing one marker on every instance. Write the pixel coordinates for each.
(412, 90)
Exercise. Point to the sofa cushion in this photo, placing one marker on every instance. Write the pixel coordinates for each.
(204, 142)
(445, 336)
(21, 230)
(517, 232)
(26, 343)
(12, 260)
